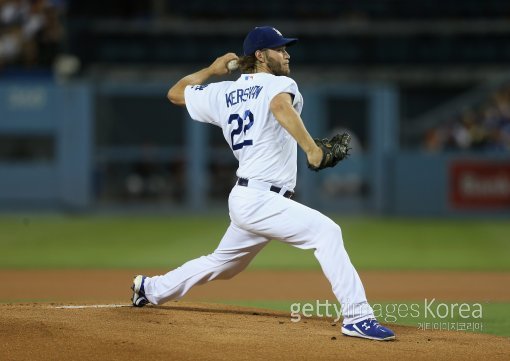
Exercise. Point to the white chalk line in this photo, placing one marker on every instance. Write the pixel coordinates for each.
(72, 307)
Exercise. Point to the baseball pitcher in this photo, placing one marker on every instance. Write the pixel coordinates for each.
(259, 115)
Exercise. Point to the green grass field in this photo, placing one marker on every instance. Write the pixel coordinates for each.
(125, 242)
(153, 242)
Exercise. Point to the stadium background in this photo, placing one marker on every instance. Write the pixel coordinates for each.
(422, 88)
(99, 172)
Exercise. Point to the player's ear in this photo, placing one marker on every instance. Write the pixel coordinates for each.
(260, 56)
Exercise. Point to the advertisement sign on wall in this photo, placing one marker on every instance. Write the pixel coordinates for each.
(477, 184)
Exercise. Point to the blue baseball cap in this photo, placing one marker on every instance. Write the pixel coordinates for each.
(265, 37)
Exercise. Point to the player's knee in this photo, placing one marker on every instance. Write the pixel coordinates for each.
(227, 274)
(330, 234)
(332, 229)
(235, 267)
(226, 267)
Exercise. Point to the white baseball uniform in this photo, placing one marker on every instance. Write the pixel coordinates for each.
(267, 156)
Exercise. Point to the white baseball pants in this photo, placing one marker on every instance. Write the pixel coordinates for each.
(257, 216)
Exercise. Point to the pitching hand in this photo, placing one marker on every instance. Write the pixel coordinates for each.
(219, 66)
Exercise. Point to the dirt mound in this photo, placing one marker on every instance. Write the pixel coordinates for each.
(192, 331)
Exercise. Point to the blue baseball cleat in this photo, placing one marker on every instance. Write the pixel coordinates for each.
(370, 329)
(139, 299)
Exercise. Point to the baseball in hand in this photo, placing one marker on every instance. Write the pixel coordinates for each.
(232, 65)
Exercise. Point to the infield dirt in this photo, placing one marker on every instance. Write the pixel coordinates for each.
(193, 330)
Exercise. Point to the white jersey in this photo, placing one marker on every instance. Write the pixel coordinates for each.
(265, 150)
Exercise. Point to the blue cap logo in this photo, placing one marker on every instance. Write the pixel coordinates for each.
(278, 32)
(265, 37)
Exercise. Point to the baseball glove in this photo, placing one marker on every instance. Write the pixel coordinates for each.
(333, 150)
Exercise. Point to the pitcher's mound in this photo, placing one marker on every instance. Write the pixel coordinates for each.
(197, 331)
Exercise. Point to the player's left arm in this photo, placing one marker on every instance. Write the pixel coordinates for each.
(218, 67)
(289, 118)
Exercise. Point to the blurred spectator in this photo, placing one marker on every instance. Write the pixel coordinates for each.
(30, 32)
(485, 127)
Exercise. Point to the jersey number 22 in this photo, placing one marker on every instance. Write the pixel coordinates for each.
(241, 128)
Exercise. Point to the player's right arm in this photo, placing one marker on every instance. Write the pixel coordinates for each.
(289, 118)
(218, 67)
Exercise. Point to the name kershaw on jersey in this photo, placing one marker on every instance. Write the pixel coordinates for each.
(242, 95)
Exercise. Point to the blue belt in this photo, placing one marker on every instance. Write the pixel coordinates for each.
(244, 182)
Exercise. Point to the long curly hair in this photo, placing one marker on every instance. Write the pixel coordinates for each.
(247, 64)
